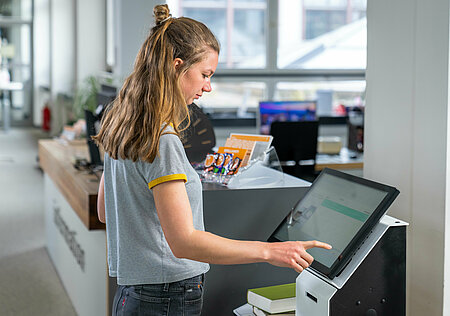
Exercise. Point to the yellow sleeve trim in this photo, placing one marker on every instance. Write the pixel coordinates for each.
(170, 177)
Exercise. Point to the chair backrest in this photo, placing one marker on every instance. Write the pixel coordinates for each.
(199, 137)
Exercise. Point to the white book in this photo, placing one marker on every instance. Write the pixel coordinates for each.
(244, 310)
(260, 312)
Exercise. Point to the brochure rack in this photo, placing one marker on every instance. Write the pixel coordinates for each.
(265, 170)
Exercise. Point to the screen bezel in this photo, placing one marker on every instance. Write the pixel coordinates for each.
(362, 233)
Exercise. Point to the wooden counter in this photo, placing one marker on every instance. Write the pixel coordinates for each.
(78, 187)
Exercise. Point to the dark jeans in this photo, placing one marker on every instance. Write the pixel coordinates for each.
(178, 298)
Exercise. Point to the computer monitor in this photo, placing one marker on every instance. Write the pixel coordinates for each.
(105, 96)
(339, 209)
(92, 128)
(285, 111)
(296, 142)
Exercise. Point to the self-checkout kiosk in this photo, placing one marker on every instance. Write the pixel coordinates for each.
(365, 272)
(373, 283)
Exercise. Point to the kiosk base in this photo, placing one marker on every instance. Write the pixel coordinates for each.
(373, 283)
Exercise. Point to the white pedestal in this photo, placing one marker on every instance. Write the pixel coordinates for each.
(79, 255)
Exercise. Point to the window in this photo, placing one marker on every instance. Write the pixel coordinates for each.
(228, 95)
(239, 26)
(332, 96)
(322, 34)
(283, 49)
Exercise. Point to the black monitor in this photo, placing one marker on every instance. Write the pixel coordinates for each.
(285, 111)
(339, 209)
(105, 96)
(296, 142)
(92, 129)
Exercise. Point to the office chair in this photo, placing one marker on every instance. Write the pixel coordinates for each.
(296, 146)
(199, 137)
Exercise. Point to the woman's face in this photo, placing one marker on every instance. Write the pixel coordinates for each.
(198, 78)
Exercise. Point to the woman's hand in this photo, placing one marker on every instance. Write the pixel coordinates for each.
(292, 254)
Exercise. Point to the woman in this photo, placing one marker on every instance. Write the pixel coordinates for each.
(150, 196)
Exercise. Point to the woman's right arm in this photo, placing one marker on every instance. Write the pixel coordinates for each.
(101, 201)
(185, 241)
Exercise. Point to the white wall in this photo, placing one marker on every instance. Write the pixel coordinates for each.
(62, 46)
(62, 56)
(406, 131)
(41, 56)
(90, 38)
(133, 22)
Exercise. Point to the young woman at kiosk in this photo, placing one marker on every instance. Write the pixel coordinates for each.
(150, 196)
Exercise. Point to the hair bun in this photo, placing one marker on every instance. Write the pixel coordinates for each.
(161, 13)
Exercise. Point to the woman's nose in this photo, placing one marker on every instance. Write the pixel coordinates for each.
(207, 86)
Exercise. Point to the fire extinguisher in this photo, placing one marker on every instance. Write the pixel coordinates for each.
(46, 116)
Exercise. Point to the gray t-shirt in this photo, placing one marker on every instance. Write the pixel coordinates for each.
(138, 252)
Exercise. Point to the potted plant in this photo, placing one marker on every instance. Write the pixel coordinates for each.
(86, 97)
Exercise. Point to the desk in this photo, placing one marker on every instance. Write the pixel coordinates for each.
(8, 86)
(78, 188)
(341, 161)
(75, 239)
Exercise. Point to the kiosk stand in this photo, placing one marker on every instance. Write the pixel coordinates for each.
(373, 283)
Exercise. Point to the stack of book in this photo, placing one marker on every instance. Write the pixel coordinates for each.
(273, 300)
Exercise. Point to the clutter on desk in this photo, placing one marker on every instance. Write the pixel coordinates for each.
(72, 132)
(330, 145)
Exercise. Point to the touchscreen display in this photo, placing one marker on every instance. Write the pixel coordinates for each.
(334, 211)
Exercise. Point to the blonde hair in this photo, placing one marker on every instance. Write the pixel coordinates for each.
(151, 96)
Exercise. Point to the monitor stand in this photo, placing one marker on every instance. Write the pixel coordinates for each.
(373, 283)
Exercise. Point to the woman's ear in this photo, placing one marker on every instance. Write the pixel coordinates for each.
(177, 62)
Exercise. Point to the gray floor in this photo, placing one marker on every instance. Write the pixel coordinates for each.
(29, 285)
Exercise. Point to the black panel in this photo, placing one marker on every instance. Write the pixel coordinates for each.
(378, 286)
(245, 215)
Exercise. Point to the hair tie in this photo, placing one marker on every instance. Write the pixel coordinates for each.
(162, 21)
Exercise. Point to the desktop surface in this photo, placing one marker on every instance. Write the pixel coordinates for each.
(346, 159)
